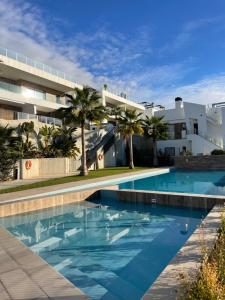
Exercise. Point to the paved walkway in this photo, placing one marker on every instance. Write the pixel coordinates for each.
(14, 183)
(57, 188)
(26, 276)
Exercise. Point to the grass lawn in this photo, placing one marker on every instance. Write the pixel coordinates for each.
(60, 180)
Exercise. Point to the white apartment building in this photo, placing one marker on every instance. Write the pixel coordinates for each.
(192, 127)
(30, 90)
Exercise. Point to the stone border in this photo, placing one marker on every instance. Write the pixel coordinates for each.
(195, 201)
(19, 207)
(26, 276)
(187, 260)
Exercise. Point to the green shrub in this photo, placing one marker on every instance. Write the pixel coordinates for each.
(210, 281)
(217, 152)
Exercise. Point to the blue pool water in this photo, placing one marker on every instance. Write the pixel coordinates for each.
(184, 181)
(110, 250)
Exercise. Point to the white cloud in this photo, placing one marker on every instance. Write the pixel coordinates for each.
(22, 29)
(187, 34)
(105, 57)
(204, 91)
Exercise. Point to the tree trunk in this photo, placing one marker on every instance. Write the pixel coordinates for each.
(84, 170)
(131, 165)
(155, 156)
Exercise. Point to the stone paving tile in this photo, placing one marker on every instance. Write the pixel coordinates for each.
(3, 294)
(6, 262)
(24, 275)
(20, 286)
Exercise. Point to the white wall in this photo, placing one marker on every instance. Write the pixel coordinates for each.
(201, 145)
(44, 167)
(178, 144)
(223, 125)
(197, 112)
(171, 115)
(215, 133)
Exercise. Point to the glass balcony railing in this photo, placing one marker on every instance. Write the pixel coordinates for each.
(7, 114)
(10, 87)
(33, 63)
(42, 119)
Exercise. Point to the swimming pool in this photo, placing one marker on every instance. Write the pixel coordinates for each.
(183, 181)
(109, 249)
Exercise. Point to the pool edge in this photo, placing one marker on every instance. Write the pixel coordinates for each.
(25, 275)
(187, 260)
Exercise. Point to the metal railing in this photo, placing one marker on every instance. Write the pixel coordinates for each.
(33, 63)
(122, 95)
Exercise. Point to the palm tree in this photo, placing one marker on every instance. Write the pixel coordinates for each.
(8, 139)
(47, 133)
(84, 107)
(64, 142)
(156, 128)
(26, 128)
(129, 123)
(26, 148)
(8, 150)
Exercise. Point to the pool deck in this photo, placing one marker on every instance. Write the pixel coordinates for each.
(59, 188)
(26, 276)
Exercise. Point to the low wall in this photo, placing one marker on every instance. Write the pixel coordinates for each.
(193, 201)
(44, 167)
(39, 203)
(212, 162)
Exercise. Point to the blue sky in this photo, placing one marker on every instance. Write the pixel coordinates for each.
(152, 49)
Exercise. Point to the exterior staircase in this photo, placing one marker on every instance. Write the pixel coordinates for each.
(106, 143)
(202, 144)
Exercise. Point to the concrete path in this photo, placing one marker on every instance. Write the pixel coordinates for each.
(57, 188)
(26, 276)
(14, 183)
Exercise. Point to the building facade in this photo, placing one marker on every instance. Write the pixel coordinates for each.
(30, 90)
(192, 127)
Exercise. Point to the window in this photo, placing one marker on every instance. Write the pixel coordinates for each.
(10, 87)
(39, 95)
(58, 100)
(33, 93)
(170, 151)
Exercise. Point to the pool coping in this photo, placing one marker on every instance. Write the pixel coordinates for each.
(25, 276)
(188, 259)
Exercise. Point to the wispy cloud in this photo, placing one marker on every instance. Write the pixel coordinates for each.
(112, 53)
(22, 29)
(204, 91)
(101, 56)
(188, 33)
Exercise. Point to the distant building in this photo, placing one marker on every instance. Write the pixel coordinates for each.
(192, 127)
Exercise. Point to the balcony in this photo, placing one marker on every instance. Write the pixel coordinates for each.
(31, 62)
(16, 115)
